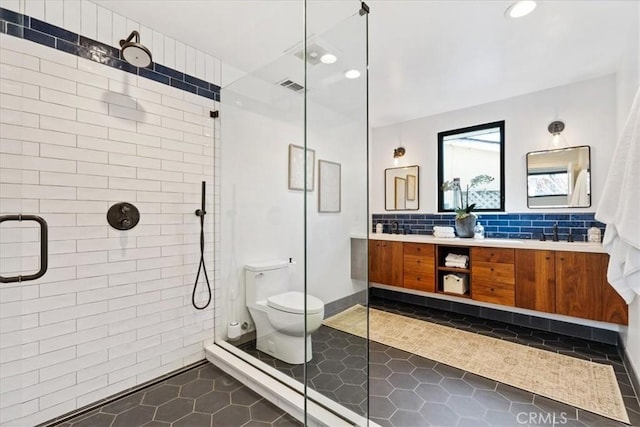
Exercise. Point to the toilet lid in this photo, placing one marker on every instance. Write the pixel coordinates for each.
(293, 302)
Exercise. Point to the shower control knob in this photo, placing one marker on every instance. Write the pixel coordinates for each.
(123, 216)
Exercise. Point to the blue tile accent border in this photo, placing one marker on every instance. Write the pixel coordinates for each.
(504, 226)
(35, 30)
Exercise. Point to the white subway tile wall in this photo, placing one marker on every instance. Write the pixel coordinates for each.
(114, 309)
(98, 23)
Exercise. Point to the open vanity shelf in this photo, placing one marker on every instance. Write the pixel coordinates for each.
(446, 273)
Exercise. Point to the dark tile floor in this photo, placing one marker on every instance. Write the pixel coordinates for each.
(201, 397)
(408, 390)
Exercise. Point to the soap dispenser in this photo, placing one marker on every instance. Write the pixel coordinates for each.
(593, 234)
(478, 231)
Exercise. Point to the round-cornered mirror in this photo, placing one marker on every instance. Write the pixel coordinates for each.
(401, 189)
(559, 178)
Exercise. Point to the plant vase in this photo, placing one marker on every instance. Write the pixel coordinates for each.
(465, 225)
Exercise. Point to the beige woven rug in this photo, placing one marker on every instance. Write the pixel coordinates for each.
(580, 383)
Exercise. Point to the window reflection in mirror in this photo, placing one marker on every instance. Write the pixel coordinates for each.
(559, 178)
(467, 153)
(401, 188)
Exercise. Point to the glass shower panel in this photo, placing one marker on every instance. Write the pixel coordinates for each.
(336, 209)
(293, 193)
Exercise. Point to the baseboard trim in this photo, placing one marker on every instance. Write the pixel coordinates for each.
(90, 407)
(335, 307)
(592, 333)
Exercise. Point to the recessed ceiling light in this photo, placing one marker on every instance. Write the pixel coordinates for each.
(520, 8)
(352, 74)
(328, 58)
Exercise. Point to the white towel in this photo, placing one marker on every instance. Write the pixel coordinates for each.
(455, 264)
(619, 207)
(443, 229)
(456, 257)
(443, 234)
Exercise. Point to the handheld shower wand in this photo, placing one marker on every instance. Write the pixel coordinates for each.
(201, 267)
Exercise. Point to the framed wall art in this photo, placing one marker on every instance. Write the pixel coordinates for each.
(328, 186)
(296, 168)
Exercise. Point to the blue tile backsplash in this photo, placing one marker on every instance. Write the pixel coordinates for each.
(23, 26)
(506, 226)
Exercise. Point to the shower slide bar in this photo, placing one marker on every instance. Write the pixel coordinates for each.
(43, 247)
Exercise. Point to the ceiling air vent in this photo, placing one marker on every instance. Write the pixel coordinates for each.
(290, 84)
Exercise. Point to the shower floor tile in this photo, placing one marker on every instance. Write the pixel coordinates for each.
(200, 397)
(408, 390)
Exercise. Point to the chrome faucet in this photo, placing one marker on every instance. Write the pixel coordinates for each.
(555, 232)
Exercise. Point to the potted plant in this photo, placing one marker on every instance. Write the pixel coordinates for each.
(465, 219)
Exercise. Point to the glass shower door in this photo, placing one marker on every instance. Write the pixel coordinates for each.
(336, 129)
(293, 183)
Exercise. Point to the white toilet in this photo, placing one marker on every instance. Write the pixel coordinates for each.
(279, 313)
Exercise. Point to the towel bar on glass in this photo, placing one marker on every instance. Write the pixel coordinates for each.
(43, 247)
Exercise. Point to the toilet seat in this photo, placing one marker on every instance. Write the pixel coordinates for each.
(293, 302)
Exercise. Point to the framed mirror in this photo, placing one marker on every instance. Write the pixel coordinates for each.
(559, 178)
(401, 189)
(468, 154)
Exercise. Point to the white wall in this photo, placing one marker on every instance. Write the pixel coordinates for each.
(588, 109)
(114, 309)
(262, 219)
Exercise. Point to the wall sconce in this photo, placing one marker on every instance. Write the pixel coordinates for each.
(397, 153)
(555, 129)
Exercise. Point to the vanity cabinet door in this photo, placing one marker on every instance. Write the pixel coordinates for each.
(614, 308)
(385, 262)
(578, 284)
(536, 280)
(419, 266)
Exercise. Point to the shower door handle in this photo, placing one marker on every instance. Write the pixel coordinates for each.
(43, 247)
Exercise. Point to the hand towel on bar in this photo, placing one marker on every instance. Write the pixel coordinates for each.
(619, 206)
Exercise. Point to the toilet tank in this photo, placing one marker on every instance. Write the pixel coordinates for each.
(265, 279)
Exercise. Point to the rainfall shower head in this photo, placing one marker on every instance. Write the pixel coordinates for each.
(135, 53)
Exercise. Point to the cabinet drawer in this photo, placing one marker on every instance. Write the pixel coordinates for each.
(419, 264)
(493, 272)
(419, 272)
(496, 293)
(419, 249)
(502, 255)
(422, 282)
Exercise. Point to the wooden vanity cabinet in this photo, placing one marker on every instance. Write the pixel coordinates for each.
(614, 307)
(578, 284)
(385, 262)
(536, 280)
(493, 275)
(570, 283)
(563, 282)
(419, 265)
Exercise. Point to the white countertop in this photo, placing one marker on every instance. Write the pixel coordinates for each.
(490, 242)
